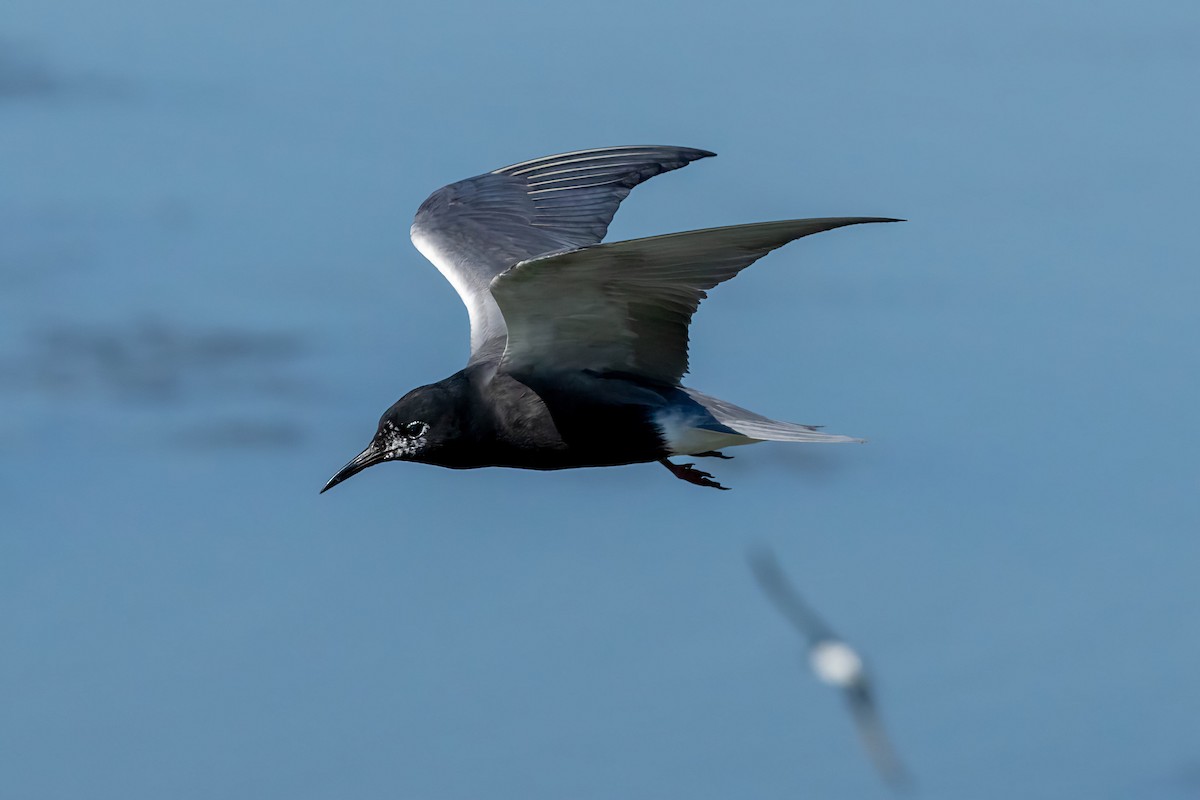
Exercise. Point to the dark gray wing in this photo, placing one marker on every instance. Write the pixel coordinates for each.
(625, 307)
(786, 598)
(875, 739)
(475, 229)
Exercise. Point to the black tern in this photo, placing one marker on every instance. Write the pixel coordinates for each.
(577, 347)
(835, 663)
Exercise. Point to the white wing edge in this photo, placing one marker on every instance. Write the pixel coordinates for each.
(487, 322)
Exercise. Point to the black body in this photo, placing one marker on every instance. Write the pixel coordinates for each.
(556, 421)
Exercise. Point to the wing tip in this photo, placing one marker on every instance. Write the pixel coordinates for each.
(860, 220)
(833, 223)
(685, 154)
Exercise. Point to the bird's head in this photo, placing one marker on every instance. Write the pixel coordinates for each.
(416, 427)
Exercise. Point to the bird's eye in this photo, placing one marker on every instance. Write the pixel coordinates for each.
(416, 429)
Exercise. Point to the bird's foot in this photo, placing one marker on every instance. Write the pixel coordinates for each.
(713, 454)
(689, 473)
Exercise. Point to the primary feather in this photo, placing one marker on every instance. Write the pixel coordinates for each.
(476, 228)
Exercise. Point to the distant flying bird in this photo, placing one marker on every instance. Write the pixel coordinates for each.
(835, 663)
(577, 348)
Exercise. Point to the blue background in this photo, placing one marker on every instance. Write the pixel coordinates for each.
(207, 297)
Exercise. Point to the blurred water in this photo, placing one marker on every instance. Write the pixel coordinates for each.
(207, 297)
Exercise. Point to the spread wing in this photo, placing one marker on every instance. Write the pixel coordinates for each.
(875, 739)
(626, 306)
(786, 598)
(475, 229)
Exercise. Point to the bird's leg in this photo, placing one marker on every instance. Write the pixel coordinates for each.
(689, 473)
(713, 454)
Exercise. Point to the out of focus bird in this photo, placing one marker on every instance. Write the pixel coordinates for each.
(577, 348)
(835, 663)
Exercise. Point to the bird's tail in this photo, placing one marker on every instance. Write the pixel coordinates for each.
(756, 426)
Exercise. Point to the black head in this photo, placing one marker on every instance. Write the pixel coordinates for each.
(416, 428)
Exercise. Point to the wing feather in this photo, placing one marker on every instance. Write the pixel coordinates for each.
(625, 307)
(475, 229)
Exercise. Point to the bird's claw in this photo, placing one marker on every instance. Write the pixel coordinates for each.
(689, 473)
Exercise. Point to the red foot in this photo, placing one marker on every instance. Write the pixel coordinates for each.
(689, 473)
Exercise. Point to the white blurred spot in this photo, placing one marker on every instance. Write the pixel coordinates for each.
(836, 664)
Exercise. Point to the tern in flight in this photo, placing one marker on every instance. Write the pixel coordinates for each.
(835, 663)
(577, 347)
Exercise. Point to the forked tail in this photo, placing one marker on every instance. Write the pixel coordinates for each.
(756, 426)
